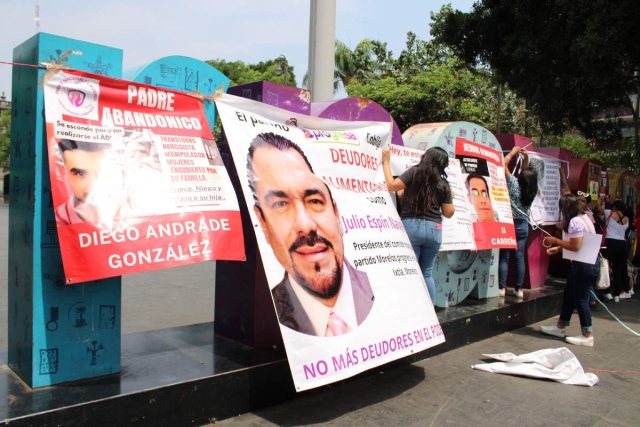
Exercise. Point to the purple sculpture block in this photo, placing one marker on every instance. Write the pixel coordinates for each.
(356, 110)
(282, 96)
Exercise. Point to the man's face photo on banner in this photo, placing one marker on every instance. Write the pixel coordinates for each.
(480, 198)
(301, 223)
(82, 163)
(478, 183)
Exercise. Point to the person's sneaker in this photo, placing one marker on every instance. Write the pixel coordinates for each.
(502, 292)
(519, 294)
(624, 295)
(580, 340)
(552, 330)
(608, 297)
(631, 292)
(616, 299)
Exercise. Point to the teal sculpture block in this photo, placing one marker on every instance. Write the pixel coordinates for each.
(458, 274)
(184, 74)
(57, 333)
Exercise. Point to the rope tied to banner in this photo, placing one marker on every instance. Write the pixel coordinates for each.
(20, 64)
(217, 94)
(534, 225)
(60, 63)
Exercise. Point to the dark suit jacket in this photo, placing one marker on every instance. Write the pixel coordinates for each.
(290, 310)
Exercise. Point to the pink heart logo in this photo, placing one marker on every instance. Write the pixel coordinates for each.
(76, 97)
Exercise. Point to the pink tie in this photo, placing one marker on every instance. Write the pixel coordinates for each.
(336, 326)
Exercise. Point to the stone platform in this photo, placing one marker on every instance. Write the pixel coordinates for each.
(189, 376)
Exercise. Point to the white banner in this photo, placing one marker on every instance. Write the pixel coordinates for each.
(346, 285)
(544, 209)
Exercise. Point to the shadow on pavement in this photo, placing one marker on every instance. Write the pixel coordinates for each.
(332, 402)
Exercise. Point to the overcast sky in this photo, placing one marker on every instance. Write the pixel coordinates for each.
(247, 30)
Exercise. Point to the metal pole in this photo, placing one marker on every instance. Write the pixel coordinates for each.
(322, 40)
(286, 72)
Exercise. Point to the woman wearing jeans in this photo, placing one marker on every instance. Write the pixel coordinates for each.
(427, 196)
(582, 276)
(522, 191)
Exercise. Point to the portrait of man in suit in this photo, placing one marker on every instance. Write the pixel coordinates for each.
(321, 294)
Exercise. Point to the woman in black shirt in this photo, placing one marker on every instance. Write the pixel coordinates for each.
(427, 196)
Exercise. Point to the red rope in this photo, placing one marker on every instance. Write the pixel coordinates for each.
(23, 65)
(609, 371)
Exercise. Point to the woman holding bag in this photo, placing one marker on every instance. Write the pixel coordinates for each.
(582, 276)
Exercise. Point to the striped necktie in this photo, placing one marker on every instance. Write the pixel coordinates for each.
(336, 326)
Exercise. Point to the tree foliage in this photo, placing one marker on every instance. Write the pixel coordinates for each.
(570, 59)
(5, 136)
(345, 66)
(427, 83)
(240, 73)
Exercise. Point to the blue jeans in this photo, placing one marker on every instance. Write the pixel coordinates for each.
(426, 238)
(522, 231)
(581, 279)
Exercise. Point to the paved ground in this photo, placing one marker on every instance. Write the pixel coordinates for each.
(445, 391)
(160, 299)
(442, 391)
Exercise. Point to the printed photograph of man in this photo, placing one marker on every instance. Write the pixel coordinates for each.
(321, 294)
(479, 197)
(82, 163)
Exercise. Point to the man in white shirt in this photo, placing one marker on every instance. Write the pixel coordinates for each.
(321, 293)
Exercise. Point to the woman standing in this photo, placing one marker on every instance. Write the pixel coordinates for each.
(617, 253)
(582, 276)
(427, 196)
(522, 191)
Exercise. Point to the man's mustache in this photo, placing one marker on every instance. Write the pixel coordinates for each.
(312, 239)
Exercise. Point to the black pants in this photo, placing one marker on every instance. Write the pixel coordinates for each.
(617, 255)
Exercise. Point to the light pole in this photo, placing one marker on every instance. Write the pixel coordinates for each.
(282, 67)
(322, 45)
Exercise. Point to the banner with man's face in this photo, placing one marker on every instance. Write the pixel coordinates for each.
(137, 181)
(486, 188)
(345, 282)
(457, 231)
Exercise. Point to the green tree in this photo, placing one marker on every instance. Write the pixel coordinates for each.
(345, 68)
(346, 65)
(427, 83)
(5, 136)
(569, 59)
(240, 73)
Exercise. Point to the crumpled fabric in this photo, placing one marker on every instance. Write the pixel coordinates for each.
(557, 364)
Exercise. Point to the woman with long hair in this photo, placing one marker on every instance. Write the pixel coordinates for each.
(582, 276)
(617, 251)
(522, 191)
(427, 197)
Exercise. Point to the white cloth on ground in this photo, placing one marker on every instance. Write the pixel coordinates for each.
(558, 364)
